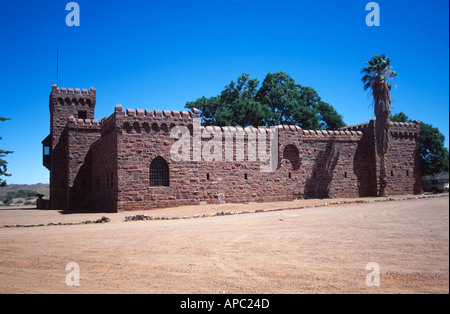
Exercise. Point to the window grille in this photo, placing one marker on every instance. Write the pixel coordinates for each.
(159, 172)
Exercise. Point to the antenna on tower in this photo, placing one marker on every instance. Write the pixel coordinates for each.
(57, 67)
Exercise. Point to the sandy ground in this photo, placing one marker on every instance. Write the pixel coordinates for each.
(309, 250)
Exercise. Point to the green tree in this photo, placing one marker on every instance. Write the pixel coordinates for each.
(278, 101)
(434, 155)
(375, 78)
(234, 106)
(289, 103)
(208, 108)
(3, 163)
(239, 104)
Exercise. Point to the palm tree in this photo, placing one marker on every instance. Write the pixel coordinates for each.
(375, 78)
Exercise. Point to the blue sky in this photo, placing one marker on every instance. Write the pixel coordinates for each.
(150, 54)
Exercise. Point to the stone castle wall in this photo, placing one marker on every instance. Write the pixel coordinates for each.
(65, 103)
(106, 165)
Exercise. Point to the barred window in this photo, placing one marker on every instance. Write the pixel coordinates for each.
(159, 172)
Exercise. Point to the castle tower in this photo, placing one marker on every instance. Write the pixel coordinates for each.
(64, 104)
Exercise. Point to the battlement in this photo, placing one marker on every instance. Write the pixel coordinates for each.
(137, 119)
(236, 130)
(404, 129)
(73, 122)
(69, 97)
(194, 113)
(359, 127)
(338, 135)
(72, 91)
(397, 128)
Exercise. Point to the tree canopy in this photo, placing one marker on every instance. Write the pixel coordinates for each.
(278, 100)
(3, 163)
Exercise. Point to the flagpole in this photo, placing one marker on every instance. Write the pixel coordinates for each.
(57, 67)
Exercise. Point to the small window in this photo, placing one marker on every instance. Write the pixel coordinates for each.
(290, 175)
(164, 128)
(127, 127)
(146, 127)
(46, 150)
(159, 172)
(82, 114)
(207, 177)
(137, 128)
(392, 173)
(245, 176)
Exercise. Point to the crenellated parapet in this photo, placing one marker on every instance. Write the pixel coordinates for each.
(153, 120)
(337, 136)
(363, 127)
(237, 130)
(74, 123)
(73, 91)
(157, 114)
(398, 129)
(73, 96)
(405, 130)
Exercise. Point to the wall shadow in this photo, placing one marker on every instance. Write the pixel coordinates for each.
(365, 166)
(80, 193)
(318, 185)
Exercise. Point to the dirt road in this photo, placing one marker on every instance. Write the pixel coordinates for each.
(314, 250)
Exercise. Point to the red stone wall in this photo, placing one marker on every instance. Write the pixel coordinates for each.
(311, 164)
(65, 103)
(403, 160)
(106, 166)
(81, 136)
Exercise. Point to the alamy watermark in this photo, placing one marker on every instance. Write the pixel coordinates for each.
(373, 18)
(73, 277)
(73, 18)
(373, 278)
(226, 144)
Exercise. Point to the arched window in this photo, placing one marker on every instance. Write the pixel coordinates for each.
(137, 127)
(159, 172)
(291, 158)
(146, 127)
(164, 128)
(127, 127)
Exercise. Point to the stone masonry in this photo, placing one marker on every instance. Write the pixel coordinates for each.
(110, 165)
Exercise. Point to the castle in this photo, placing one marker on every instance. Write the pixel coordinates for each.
(131, 159)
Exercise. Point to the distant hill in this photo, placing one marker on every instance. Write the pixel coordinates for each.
(41, 188)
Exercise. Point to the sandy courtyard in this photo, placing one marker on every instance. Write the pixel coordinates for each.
(309, 250)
